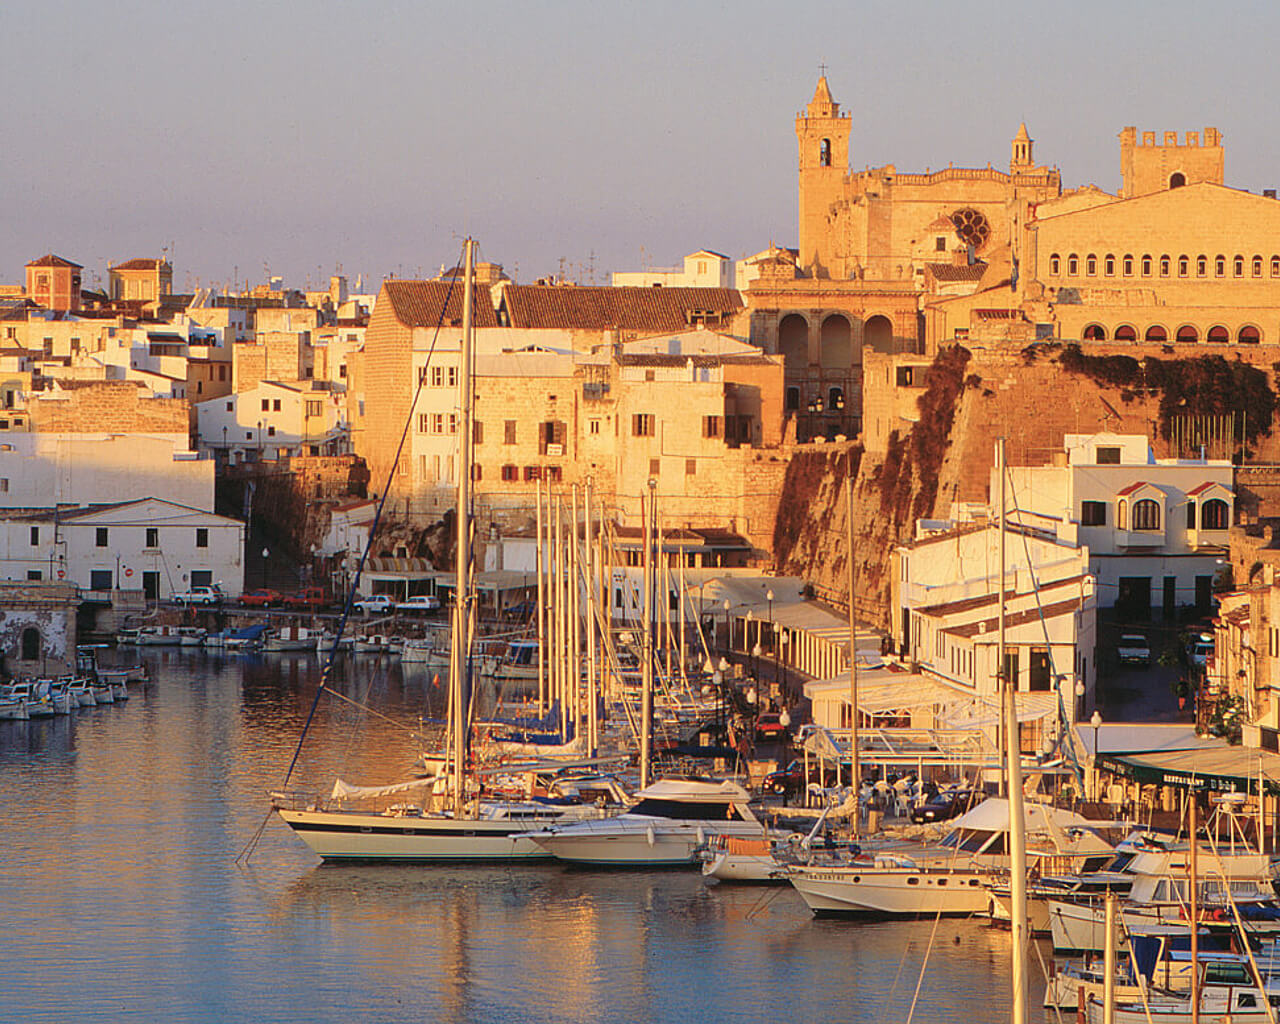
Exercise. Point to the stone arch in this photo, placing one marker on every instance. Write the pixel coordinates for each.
(1218, 335)
(793, 341)
(837, 343)
(31, 644)
(1095, 332)
(1177, 179)
(1187, 334)
(1249, 335)
(1126, 332)
(877, 333)
(1156, 332)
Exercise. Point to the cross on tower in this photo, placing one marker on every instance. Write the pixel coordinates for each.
(822, 68)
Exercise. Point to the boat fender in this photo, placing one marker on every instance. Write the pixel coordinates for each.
(702, 837)
(796, 838)
(648, 834)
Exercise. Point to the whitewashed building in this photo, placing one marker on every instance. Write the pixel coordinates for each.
(152, 545)
(274, 418)
(1155, 529)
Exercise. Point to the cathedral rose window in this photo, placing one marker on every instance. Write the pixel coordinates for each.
(972, 227)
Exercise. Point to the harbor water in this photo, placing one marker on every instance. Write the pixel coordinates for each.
(121, 898)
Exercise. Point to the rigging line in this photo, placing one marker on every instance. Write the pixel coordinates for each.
(1065, 738)
(364, 555)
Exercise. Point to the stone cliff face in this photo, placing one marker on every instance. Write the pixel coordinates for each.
(1033, 400)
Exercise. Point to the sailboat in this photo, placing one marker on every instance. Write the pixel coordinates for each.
(454, 823)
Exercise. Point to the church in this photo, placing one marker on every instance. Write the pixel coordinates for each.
(893, 265)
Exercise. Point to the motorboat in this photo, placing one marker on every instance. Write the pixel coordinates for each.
(422, 651)
(1228, 992)
(1228, 875)
(158, 636)
(672, 820)
(191, 636)
(949, 877)
(290, 638)
(516, 663)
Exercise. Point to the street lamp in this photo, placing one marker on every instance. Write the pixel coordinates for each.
(768, 596)
(755, 654)
(265, 555)
(728, 630)
(1095, 720)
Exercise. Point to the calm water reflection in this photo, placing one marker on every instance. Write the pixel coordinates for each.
(119, 896)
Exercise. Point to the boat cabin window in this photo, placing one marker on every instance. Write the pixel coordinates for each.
(697, 810)
(1092, 864)
(1223, 973)
(1246, 999)
(1120, 861)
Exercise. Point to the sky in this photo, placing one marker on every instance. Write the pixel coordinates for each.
(247, 138)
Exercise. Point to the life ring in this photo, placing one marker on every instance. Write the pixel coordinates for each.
(62, 573)
(128, 572)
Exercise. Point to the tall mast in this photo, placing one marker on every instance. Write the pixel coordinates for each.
(646, 656)
(1013, 758)
(855, 765)
(461, 646)
(543, 646)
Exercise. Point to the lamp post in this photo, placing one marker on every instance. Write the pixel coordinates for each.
(1095, 720)
(773, 644)
(755, 666)
(265, 555)
(728, 629)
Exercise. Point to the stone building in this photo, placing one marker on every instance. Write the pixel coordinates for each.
(143, 280)
(38, 628)
(54, 283)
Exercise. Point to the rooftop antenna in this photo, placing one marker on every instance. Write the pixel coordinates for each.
(591, 265)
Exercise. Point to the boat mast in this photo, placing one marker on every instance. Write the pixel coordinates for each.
(1194, 897)
(460, 649)
(541, 550)
(1013, 757)
(855, 765)
(646, 652)
(589, 577)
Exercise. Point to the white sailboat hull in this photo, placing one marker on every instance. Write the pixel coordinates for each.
(890, 891)
(349, 836)
(660, 843)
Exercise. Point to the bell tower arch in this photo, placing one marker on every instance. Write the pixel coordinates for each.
(822, 133)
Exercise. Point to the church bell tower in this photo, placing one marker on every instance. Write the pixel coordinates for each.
(822, 132)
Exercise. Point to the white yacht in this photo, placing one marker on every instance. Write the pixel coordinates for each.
(949, 877)
(1160, 892)
(673, 819)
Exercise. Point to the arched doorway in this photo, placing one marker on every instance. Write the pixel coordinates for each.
(31, 644)
(1218, 335)
(1177, 179)
(1157, 333)
(1187, 334)
(1126, 332)
(793, 341)
(1095, 332)
(877, 334)
(1249, 335)
(837, 348)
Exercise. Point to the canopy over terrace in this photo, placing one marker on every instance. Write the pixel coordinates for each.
(1217, 767)
(399, 577)
(499, 591)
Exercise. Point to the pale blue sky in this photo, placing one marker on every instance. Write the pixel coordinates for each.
(374, 135)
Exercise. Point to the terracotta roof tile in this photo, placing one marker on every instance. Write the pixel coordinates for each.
(420, 303)
(51, 260)
(142, 263)
(649, 310)
(951, 272)
(1137, 485)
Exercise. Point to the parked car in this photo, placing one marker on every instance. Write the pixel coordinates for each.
(945, 806)
(199, 595)
(1199, 649)
(378, 604)
(263, 597)
(1133, 650)
(310, 598)
(769, 727)
(785, 781)
(419, 603)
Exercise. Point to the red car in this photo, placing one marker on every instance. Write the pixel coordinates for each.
(769, 726)
(309, 597)
(263, 597)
